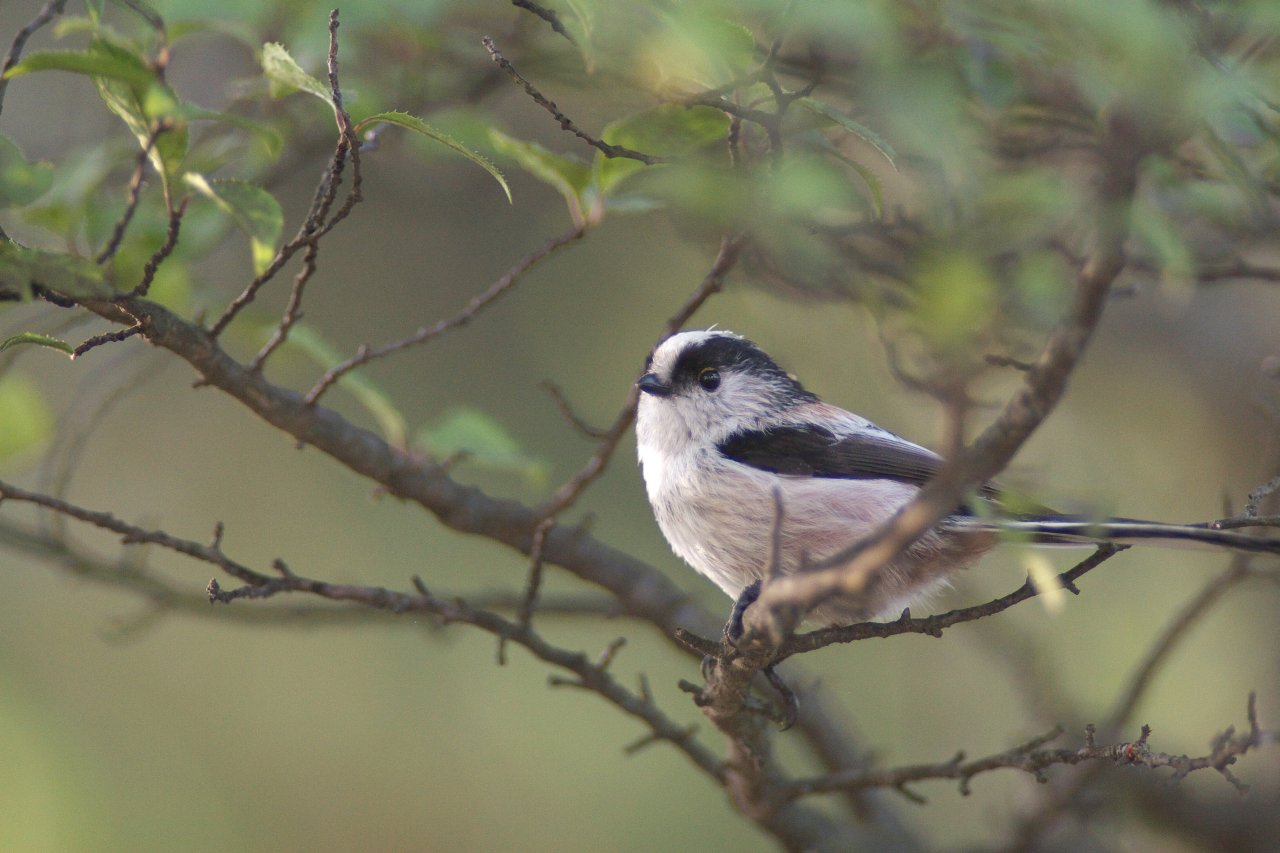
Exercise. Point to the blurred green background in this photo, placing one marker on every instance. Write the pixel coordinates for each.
(125, 726)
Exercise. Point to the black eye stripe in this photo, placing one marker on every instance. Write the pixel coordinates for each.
(709, 378)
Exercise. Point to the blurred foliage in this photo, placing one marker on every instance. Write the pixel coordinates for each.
(930, 161)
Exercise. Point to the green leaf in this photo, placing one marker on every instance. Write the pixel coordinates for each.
(469, 432)
(254, 211)
(287, 76)
(570, 178)
(859, 130)
(142, 105)
(78, 278)
(270, 138)
(417, 125)
(93, 62)
(370, 395)
(665, 131)
(25, 420)
(21, 182)
(36, 340)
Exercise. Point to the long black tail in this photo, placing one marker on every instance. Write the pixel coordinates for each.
(1069, 530)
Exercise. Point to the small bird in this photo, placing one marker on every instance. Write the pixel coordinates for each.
(721, 430)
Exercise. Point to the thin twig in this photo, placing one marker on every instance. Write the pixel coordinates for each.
(564, 121)
(711, 284)
(590, 675)
(365, 354)
(47, 13)
(1030, 758)
(547, 15)
(933, 626)
(566, 410)
(314, 225)
(135, 193)
(107, 338)
(160, 255)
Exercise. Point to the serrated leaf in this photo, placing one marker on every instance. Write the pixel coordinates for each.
(93, 62)
(79, 278)
(21, 182)
(570, 178)
(38, 340)
(254, 211)
(285, 75)
(370, 395)
(469, 432)
(417, 125)
(25, 420)
(859, 130)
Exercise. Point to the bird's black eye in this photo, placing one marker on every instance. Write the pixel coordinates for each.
(709, 378)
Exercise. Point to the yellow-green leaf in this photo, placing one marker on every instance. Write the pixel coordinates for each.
(254, 211)
(25, 421)
(78, 278)
(858, 129)
(470, 433)
(285, 75)
(417, 125)
(570, 178)
(21, 182)
(38, 340)
(369, 394)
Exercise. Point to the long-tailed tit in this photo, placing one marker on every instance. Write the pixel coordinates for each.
(721, 429)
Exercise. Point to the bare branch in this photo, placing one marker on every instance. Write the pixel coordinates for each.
(711, 284)
(106, 338)
(933, 626)
(479, 302)
(545, 14)
(135, 193)
(50, 10)
(564, 121)
(166, 248)
(590, 675)
(315, 225)
(1030, 758)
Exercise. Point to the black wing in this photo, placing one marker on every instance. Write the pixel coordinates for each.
(816, 452)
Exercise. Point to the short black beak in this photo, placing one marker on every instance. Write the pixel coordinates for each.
(651, 384)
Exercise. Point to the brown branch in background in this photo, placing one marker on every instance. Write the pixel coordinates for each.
(131, 534)
(1177, 629)
(47, 13)
(529, 601)
(1236, 270)
(711, 284)
(314, 225)
(547, 15)
(566, 410)
(365, 354)
(1030, 758)
(590, 675)
(165, 598)
(293, 309)
(564, 121)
